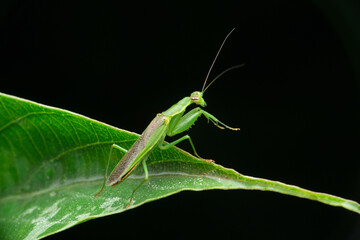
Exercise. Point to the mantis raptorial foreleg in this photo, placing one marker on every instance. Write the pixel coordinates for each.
(186, 121)
(183, 122)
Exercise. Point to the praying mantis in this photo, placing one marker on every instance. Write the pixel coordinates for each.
(168, 123)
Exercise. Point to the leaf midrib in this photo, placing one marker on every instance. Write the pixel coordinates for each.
(89, 181)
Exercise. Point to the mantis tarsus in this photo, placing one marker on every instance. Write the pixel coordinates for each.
(168, 123)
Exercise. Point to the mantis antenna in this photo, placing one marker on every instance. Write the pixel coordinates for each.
(225, 71)
(212, 64)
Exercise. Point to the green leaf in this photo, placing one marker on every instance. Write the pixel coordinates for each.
(52, 163)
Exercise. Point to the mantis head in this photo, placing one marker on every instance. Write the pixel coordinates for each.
(197, 98)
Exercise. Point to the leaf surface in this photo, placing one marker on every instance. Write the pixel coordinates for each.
(52, 163)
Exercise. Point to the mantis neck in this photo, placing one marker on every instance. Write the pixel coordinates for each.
(178, 107)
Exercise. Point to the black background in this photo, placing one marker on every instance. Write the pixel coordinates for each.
(296, 101)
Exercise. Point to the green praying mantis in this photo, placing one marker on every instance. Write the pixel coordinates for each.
(168, 123)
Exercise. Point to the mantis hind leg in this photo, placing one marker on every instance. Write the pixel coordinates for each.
(137, 188)
(108, 163)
